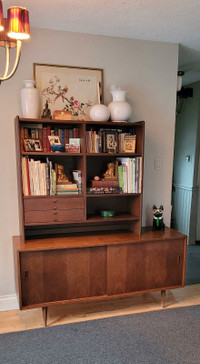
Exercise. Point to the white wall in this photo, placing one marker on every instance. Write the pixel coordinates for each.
(147, 70)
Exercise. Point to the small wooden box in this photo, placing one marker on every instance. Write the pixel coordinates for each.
(62, 115)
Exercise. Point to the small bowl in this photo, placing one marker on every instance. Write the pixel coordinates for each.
(108, 213)
(56, 148)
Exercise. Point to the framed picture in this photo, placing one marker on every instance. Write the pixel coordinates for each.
(111, 144)
(69, 88)
(53, 139)
(32, 145)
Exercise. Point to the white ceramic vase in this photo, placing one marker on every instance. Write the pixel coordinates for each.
(120, 110)
(99, 113)
(30, 100)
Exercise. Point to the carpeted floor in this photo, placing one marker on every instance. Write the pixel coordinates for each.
(168, 336)
(193, 265)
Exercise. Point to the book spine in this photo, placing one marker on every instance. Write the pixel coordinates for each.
(44, 138)
(22, 139)
(140, 174)
(48, 134)
(40, 136)
(24, 179)
(90, 140)
(62, 137)
(48, 177)
(26, 133)
(28, 177)
(66, 132)
(137, 175)
(134, 189)
(75, 132)
(120, 177)
(70, 133)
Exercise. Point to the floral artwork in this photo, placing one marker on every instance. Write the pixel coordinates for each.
(68, 88)
(55, 91)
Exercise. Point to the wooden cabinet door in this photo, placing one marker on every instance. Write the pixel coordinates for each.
(64, 274)
(145, 266)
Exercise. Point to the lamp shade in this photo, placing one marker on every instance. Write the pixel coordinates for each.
(18, 23)
(1, 17)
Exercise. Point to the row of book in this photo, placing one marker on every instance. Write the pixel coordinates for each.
(41, 132)
(130, 174)
(110, 141)
(40, 179)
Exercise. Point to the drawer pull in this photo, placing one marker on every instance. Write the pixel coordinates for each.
(26, 275)
(55, 213)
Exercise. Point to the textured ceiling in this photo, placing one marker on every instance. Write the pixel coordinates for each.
(174, 21)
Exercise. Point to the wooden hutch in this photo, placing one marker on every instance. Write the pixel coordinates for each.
(68, 252)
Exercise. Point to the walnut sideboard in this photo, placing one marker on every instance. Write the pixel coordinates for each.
(97, 267)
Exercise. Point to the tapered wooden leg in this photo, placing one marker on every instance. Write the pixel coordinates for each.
(44, 312)
(163, 295)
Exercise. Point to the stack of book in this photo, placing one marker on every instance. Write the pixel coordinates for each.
(41, 132)
(67, 188)
(38, 178)
(99, 141)
(130, 174)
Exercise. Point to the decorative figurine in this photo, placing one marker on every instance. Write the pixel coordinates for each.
(111, 172)
(46, 112)
(61, 177)
(158, 223)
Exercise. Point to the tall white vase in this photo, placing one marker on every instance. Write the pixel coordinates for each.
(120, 110)
(30, 100)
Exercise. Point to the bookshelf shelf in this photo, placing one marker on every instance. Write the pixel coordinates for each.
(113, 124)
(48, 214)
(51, 121)
(131, 155)
(57, 154)
(119, 217)
(112, 194)
(79, 195)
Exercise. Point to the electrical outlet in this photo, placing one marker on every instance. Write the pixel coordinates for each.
(157, 163)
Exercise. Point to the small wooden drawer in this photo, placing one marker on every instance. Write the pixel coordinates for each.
(52, 203)
(53, 216)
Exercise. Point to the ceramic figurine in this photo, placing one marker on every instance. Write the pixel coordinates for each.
(158, 223)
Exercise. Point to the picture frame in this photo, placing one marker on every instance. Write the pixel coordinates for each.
(69, 88)
(53, 139)
(32, 145)
(111, 142)
(129, 143)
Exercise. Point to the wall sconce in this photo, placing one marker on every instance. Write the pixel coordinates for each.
(13, 30)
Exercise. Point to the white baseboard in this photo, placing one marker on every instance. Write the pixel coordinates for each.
(8, 302)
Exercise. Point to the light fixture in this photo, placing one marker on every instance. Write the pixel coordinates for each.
(179, 80)
(13, 30)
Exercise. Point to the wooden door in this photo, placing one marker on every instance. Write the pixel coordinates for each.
(57, 275)
(145, 266)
